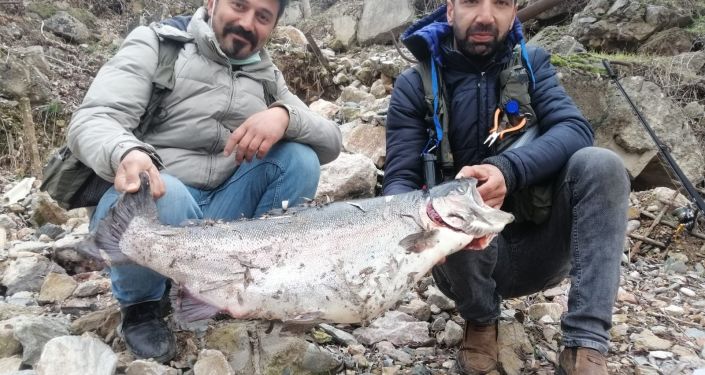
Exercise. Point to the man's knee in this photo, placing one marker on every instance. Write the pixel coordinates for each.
(597, 163)
(177, 204)
(176, 191)
(298, 158)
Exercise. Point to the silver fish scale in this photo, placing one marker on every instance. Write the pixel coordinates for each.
(341, 263)
(350, 250)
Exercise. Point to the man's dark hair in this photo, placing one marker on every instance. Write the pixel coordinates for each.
(514, 1)
(282, 6)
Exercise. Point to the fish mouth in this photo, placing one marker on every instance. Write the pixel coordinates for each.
(437, 219)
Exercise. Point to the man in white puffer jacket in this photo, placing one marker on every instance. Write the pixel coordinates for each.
(227, 151)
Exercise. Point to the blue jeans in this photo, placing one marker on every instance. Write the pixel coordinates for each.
(290, 171)
(583, 237)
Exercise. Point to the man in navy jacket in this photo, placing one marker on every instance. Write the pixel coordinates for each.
(472, 41)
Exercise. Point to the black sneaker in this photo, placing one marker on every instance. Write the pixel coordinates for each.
(145, 332)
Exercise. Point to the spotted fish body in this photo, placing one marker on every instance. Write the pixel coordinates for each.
(344, 262)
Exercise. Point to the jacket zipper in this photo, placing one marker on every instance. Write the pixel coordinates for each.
(482, 110)
(214, 148)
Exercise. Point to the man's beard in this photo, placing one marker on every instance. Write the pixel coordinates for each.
(237, 46)
(477, 49)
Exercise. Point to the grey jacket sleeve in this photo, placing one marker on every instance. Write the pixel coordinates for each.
(100, 131)
(307, 127)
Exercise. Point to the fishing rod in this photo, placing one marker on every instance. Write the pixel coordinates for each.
(685, 215)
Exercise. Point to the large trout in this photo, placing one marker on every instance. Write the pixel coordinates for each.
(344, 262)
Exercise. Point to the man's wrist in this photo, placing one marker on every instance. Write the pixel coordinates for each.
(505, 166)
(284, 113)
(155, 158)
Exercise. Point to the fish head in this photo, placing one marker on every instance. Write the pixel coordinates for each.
(458, 205)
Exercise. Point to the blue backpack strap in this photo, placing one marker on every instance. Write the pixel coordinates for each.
(436, 102)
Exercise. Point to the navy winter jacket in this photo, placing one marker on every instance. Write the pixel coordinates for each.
(473, 93)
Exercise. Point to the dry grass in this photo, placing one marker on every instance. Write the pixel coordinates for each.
(11, 152)
(50, 121)
(304, 74)
(102, 7)
(675, 75)
(431, 5)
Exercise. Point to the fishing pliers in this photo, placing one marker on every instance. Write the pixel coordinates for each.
(500, 124)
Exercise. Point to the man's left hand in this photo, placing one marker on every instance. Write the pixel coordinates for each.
(491, 185)
(258, 134)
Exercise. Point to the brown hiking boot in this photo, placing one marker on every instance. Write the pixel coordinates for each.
(478, 352)
(581, 361)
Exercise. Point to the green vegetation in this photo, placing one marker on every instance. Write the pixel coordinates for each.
(46, 10)
(592, 61)
(698, 26)
(83, 15)
(43, 9)
(53, 108)
(632, 58)
(582, 61)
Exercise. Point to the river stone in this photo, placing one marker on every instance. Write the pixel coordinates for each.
(10, 365)
(27, 273)
(56, 288)
(9, 345)
(33, 332)
(647, 340)
(338, 335)
(76, 355)
(435, 297)
(148, 367)
(396, 327)
(538, 310)
(212, 362)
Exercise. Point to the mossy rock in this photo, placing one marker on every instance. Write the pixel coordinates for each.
(43, 9)
(83, 15)
(698, 26)
(591, 62)
(579, 61)
(684, 4)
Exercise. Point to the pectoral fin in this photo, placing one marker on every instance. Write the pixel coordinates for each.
(418, 242)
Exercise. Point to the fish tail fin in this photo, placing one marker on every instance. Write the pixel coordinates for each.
(104, 244)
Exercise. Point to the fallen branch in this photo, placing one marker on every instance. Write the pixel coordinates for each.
(674, 320)
(672, 225)
(55, 43)
(398, 48)
(534, 10)
(66, 63)
(30, 138)
(317, 51)
(634, 251)
(648, 240)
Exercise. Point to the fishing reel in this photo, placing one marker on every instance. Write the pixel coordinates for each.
(687, 218)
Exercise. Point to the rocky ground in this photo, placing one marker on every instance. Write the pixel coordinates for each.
(57, 314)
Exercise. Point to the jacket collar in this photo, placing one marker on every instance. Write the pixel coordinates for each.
(430, 36)
(195, 29)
